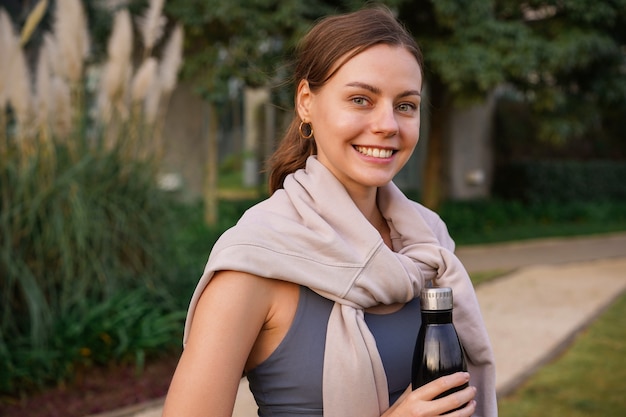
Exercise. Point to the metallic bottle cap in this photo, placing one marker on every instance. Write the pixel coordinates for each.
(439, 298)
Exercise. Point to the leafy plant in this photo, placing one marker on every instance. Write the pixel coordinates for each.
(84, 227)
(126, 327)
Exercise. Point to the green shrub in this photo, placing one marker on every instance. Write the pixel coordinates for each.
(76, 230)
(495, 220)
(126, 327)
(561, 181)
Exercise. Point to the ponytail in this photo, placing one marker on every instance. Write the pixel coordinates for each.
(291, 155)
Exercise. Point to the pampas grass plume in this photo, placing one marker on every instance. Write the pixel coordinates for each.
(118, 66)
(70, 28)
(151, 24)
(118, 69)
(53, 55)
(120, 45)
(115, 76)
(7, 48)
(144, 79)
(172, 60)
(152, 102)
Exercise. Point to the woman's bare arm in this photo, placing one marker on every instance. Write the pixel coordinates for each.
(231, 312)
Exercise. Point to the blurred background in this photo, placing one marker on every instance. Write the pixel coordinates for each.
(134, 132)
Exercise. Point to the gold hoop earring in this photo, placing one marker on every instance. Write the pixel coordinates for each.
(306, 130)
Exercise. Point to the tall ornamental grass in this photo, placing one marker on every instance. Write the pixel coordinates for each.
(83, 224)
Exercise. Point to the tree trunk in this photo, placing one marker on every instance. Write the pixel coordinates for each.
(255, 100)
(433, 178)
(210, 179)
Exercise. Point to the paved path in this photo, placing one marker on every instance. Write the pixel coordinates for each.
(555, 287)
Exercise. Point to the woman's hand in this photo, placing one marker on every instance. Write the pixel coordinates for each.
(421, 402)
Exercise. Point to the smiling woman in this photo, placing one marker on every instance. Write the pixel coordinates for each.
(375, 112)
(314, 294)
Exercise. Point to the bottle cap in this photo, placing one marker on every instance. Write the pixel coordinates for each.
(439, 298)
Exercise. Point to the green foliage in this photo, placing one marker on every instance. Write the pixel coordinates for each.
(127, 326)
(73, 231)
(516, 136)
(466, 47)
(496, 220)
(565, 57)
(83, 253)
(577, 80)
(561, 181)
(585, 382)
(249, 40)
(82, 222)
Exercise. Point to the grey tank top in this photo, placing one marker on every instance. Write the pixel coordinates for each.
(289, 382)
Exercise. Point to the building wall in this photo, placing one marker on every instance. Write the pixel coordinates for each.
(185, 145)
(470, 156)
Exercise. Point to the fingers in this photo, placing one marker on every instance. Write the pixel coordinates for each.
(443, 384)
(461, 401)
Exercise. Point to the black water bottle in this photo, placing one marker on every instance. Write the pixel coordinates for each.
(438, 351)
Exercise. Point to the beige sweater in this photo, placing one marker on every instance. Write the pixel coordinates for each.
(311, 233)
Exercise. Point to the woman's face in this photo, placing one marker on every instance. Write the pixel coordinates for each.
(366, 118)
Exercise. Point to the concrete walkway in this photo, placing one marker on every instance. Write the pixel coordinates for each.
(554, 288)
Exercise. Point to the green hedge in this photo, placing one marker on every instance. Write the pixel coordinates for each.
(561, 181)
(475, 222)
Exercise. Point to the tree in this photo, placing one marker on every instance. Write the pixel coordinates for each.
(579, 85)
(566, 57)
(467, 54)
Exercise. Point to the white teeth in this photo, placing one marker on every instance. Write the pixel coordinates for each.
(375, 152)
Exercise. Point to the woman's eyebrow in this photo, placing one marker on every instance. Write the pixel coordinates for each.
(376, 90)
(410, 93)
(370, 88)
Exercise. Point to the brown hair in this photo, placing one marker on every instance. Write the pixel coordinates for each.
(327, 42)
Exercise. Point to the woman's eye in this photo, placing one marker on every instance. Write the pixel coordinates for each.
(407, 107)
(360, 101)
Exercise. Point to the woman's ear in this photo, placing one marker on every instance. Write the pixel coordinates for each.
(303, 100)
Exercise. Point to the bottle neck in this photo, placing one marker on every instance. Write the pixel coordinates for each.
(436, 316)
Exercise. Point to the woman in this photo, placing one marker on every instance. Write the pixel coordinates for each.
(314, 293)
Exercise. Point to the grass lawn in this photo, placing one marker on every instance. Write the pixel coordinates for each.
(481, 277)
(588, 380)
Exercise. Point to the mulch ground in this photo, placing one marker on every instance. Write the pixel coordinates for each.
(96, 391)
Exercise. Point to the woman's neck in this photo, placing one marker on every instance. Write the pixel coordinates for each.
(367, 204)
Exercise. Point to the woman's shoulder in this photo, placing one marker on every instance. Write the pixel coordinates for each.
(437, 225)
(242, 284)
(240, 298)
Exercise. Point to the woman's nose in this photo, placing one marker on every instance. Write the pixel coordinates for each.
(385, 122)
